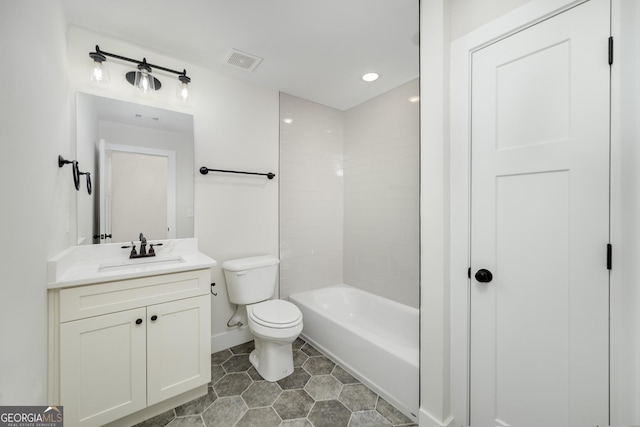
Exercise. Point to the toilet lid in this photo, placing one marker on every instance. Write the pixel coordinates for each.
(275, 314)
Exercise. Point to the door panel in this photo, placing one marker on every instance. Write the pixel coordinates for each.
(177, 332)
(93, 391)
(539, 223)
(536, 112)
(532, 208)
(139, 195)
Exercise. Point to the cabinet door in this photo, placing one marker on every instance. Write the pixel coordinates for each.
(102, 367)
(178, 347)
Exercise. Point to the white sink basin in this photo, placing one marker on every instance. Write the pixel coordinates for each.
(140, 262)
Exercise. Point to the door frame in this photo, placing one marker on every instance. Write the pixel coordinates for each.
(459, 172)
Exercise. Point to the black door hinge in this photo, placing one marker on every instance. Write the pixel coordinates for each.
(610, 50)
(609, 256)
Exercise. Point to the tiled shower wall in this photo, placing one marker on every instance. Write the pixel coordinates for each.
(381, 195)
(349, 195)
(311, 195)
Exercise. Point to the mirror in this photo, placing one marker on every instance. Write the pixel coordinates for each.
(141, 163)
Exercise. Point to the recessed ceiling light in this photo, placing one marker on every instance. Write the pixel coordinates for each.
(414, 98)
(288, 120)
(370, 77)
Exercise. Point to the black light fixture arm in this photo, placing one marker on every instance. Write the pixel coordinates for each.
(99, 52)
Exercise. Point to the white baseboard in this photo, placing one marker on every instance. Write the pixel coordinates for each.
(427, 420)
(231, 338)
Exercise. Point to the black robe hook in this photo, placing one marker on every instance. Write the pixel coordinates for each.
(76, 171)
(88, 174)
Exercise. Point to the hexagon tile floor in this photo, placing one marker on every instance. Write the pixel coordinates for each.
(319, 393)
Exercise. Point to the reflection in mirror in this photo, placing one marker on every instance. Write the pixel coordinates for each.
(141, 159)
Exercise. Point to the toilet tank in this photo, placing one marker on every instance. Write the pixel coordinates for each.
(251, 280)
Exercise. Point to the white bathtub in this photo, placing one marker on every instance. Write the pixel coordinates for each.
(373, 338)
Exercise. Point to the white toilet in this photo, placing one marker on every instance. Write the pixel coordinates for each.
(275, 324)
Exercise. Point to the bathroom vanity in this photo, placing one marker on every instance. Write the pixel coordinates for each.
(128, 338)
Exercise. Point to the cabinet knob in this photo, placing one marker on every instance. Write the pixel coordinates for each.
(138, 322)
(154, 318)
(484, 276)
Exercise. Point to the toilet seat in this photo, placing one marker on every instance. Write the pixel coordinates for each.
(276, 314)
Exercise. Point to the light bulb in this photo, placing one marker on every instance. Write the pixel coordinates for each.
(98, 75)
(99, 72)
(144, 80)
(184, 91)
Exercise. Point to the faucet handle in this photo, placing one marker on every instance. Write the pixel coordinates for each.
(151, 250)
(133, 249)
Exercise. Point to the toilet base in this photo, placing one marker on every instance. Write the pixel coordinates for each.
(272, 360)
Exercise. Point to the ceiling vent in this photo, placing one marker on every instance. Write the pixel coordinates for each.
(242, 60)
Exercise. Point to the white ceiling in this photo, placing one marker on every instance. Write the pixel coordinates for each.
(315, 50)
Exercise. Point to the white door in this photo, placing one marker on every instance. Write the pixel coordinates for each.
(139, 195)
(540, 224)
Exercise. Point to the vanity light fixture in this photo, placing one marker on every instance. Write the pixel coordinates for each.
(142, 79)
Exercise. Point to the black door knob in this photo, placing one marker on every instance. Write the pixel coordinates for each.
(154, 318)
(483, 276)
(139, 321)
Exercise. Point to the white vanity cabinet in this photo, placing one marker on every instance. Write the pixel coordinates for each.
(131, 345)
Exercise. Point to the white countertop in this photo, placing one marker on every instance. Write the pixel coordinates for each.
(89, 264)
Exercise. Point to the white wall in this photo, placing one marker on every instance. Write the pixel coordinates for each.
(625, 236)
(434, 214)
(467, 15)
(38, 198)
(381, 195)
(311, 196)
(235, 127)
